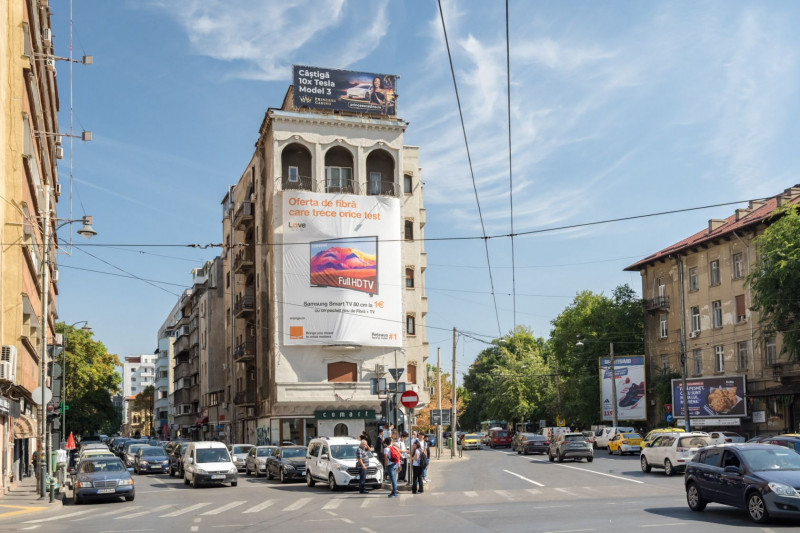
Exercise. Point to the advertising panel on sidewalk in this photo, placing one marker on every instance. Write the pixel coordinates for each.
(345, 90)
(712, 397)
(341, 270)
(631, 391)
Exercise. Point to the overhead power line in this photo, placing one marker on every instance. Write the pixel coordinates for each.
(510, 173)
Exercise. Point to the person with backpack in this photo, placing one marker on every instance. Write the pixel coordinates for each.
(392, 459)
(426, 450)
(416, 465)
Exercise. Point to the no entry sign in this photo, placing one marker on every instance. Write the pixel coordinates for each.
(409, 399)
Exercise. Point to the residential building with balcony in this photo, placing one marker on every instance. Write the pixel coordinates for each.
(138, 373)
(282, 389)
(698, 305)
(164, 387)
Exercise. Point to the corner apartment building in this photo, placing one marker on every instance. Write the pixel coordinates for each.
(29, 182)
(138, 373)
(696, 296)
(303, 343)
(164, 388)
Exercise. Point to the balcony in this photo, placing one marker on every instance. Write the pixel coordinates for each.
(245, 305)
(333, 186)
(656, 304)
(785, 369)
(302, 183)
(244, 260)
(246, 397)
(181, 345)
(383, 188)
(243, 217)
(245, 351)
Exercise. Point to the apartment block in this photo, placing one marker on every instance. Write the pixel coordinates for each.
(138, 373)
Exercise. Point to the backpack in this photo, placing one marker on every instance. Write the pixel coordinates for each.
(423, 460)
(394, 453)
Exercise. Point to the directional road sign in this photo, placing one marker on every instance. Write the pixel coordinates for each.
(409, 399)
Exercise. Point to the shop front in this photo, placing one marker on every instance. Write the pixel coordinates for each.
(299, 430)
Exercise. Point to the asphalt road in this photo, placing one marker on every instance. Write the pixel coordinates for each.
(489, 490)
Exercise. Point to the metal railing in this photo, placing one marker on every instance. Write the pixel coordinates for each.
(659, 302)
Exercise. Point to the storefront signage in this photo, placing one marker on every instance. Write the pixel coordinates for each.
(711, 397)
(759, 417)
(345, 414)
(345, 90)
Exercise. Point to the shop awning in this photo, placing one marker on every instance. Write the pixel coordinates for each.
(784, 390)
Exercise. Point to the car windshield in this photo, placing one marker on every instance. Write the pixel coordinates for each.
(133, 448)
(153, 451)
(263, 452)
(89, 467)
(213, 455)
(574, 437)
(290, 453)
(344, 451)
(241, 449)
(502, 434)
(771, 459)
(694, 442)
(631, 436)
(473, 436)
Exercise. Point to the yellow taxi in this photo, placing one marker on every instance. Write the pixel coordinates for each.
(650, 437)
(623, 443)
(471, 440)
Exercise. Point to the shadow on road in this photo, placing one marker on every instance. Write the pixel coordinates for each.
(723, 515)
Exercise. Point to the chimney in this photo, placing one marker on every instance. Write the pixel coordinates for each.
(757, 204)
(792, 192)
(741, 213)
(783, 199)
(715, 223)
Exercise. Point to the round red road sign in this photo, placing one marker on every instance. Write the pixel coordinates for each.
(409, 399)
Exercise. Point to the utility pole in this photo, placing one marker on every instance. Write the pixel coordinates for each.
(613, 386)
(44, 463)
(439, 398)
(453, 424)
(685, 392)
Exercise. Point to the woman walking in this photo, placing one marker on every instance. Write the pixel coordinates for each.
(416, 455)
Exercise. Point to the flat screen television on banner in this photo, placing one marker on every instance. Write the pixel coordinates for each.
(347, 263)
(345, 90)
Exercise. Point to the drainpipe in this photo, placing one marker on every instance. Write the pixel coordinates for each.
(750, 302)
(685, 392)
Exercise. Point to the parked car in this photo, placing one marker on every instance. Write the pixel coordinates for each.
(239, 454)
(256, 460)
(721, 437)
(332, 460)
(602, 436)
(176, 459)
(651, 436)
(498, 438)
(570, 446)
(287, 463)
(793, 443)
(623, 443)
(672, 451)
(525, 443)
(102, 478)
(760, 478)
(150, 459)
(208, 462)
(471, 441)
(129, 450)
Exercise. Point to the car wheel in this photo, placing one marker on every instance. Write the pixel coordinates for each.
(696, 503)
(234, 483)
(130, 498)
(645, 466)
(195, 484)
(269, 475)
(756, 508)
(332, 482)
(309, 480)
(668, 469)
(185, 480)
(590, 459)
(550, 456)
(610, 452)
(76, 500)
(560, 458)
(246, 471)
(283, 476)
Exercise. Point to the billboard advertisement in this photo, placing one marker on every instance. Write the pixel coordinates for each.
(712, 397)
(345, 90)
(342, 271)
(631, 391)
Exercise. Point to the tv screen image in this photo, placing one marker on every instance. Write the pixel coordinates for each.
(346, 263)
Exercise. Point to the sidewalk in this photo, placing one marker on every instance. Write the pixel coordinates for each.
(24, 499)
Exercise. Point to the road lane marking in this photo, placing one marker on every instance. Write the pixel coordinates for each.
(21, 509)
(260, 507)
(393, 516)
(61, 517)
(30, 527)
(367, 502)
(297, 505)
(118, 511)
(194, 528)
(524, 478)
(470, 494)
(187, 510)
(333, 504)
(140, 513)
(533, 491)
(569, 492)
(594, 472)
(224, 508)
(672, 524)
(480, 511)
(505, 495)
(569, 530)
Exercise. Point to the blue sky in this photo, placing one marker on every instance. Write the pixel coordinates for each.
(618, 108)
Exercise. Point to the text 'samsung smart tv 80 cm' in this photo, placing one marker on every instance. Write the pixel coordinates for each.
(346, 263)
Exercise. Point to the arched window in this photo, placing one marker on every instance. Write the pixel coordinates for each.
(338, 170)
(380, 173)
(342, 372)
(340, 430)
(296, 167)
(409, 278)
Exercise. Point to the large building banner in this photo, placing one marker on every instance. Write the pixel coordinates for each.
(631, 397)
(345, 90)
(712, 397)
(341, 270)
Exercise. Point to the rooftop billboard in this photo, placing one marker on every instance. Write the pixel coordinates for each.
(345, 90)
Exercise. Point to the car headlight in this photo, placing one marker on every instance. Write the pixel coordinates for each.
(84, 484)
(165, 463)
(288, 467)
(200, 471)
(232, 470)
(783, 490)
(341, 467)
(144, 463)
(123, 482)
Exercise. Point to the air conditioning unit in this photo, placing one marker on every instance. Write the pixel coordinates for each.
(380, 369)
(8, 354)
(47, 36)
(7, 372)
(224, 405)
(59, 155)
(50, 64)
(694, 334)
(251, 411)
(55, 280)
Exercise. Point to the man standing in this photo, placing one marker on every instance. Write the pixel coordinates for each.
(391, 460)
(362, 454)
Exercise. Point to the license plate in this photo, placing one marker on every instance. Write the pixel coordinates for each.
(156, 466)
(217, 477)
(106, 491)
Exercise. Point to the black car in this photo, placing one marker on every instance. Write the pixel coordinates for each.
(763, 479)
(287, 463)
(176, 459)
(150, 459)
(525, 443)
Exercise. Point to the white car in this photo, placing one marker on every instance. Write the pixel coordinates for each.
(332, 460)
(207, 462)
(672, 451)
(722, 437)
(606, 434)
(360, 91)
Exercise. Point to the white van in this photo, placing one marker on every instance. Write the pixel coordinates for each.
(208, 462)
(332, 460)
(604, 435)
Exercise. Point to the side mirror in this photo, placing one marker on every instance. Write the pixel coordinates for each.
(324, 456)
(189, 460)
(732, 470)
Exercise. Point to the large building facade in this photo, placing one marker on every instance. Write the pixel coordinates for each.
(138, 373)
(698, 306)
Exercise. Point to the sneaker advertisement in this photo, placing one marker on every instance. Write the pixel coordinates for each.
(631, 391)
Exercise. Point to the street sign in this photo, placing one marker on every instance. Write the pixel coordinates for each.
(56, 372)
(37, 396)
(409, 399)
(440, 417)
(668, 407)
(668, 418)
(396, 373)
(560, 421)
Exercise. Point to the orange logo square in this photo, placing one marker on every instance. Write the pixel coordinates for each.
(295, 332)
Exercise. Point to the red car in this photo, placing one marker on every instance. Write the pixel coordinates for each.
(499, 437)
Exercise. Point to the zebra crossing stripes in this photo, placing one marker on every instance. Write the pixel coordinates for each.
(333, 504)
(260, 507)
(224, 508)
(142, 513)
(299, 504)
(189, 509)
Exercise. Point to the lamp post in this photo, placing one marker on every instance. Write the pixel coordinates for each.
(87, 232)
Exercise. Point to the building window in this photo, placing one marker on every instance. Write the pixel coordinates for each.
(693, 283)
(697, 362)
(374, 182)
(741, 352)
(738, 265)
(409, 230)
(716, 313)
(407, 184)
(662, 329)
(741, 311)
(409, 278)
(294, 174)
(410, 325)
(696, 319)
(339, 177)
(342, 372)
(771, 350)
(411, 375)
(133, 389)
(719, 358)
(715, 278)
(661, 287)
(664, 363)
(133, 378)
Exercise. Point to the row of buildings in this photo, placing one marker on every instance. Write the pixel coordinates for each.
(317, 300)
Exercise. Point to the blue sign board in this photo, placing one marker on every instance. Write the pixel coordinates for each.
(668, 418)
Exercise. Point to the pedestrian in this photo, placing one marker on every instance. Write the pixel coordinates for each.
(379, 450)
(362, 459)
(416, 458)
(392, 459)
(401, 446)
(427, 451)
(365, 436)
(423, 449)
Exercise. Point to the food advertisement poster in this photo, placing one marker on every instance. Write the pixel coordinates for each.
(711, 397)
(345, 90)
(341, 270)
(631, 390)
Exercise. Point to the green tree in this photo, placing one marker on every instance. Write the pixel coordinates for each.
(90, 380)
(145, 402)
(775, 280)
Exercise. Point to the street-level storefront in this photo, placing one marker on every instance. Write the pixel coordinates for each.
(324, 422)
(775, 409)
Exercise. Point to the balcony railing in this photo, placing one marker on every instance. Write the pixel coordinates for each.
(244, 215)
(244, 259)
(244, 305)
(245, 351)
(347, 186)
(659, 302)
(383, 188)
(302, 183)
(245, 397)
